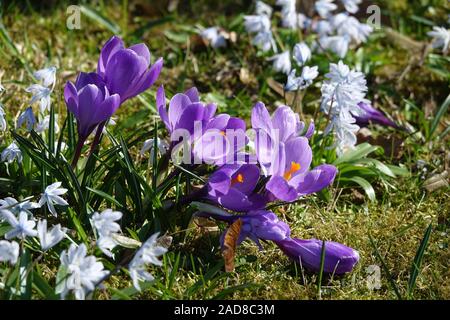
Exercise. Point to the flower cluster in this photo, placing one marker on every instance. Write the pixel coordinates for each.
(122, 73)
(277, 168)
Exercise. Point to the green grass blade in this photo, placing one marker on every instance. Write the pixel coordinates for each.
(415, 268)
(385, 268)
(442, 110)
(322, 264)
(101, 19)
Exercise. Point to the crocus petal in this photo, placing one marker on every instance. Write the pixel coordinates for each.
(113, 45)
(189, 115)
(286, 121)
(210, 110)
(142, 51)
(192, 93)
(161, 105)
(235, 200)
(261, 118)
(219, 183)
(148, 78)
(71, 98)
(298, 151)
(83, 79)
(219, 122)
(315, 180)
(107, 108)
(310, 130)
(250, 177)
(176, 106)
(122, 72)
(281, 189)
(339, 258)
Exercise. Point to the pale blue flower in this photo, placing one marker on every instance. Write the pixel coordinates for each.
(302, 53)
(45, 123)
(41, 94)
(51, 196)
(351, 6)
(336, 44)
(214, 37)
(9, 251)
(324, 7)
(282, 62)
(16, 207)
(106, 226)
(441, 38)
(27, 117)
(11, 153)
(48, 239)
(21, 228)
(147, 254)
(263, 9)
(83, 272)
(47, 76)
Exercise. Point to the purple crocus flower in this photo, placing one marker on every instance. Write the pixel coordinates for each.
(232, 187)
(91, 103)
(372, 115)
(222, 141)
(286, 157)
(127, 71)
(272, 132)
(339, 258)
(213, 138)
(185, 109)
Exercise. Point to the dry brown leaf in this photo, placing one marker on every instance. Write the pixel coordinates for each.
(230, 243)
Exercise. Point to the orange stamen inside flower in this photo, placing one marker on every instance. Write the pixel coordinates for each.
(294, 168)
(222, 133)
(238, 179)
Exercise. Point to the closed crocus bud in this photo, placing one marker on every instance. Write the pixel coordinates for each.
(91, 104)
(339, 259)
(372, 115)
(127, 71)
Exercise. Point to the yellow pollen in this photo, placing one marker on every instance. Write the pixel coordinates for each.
(222, 133)
(238, 179)
(294, 168)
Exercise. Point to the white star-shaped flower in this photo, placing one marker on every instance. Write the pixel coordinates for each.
(47, 76)
(21, 228)
(48, 239)
(147, 254)
(83, 272)
(51, 196)
(10, 153)
(9, 251)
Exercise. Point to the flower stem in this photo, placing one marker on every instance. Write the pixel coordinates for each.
(98, 135)
(77, 153)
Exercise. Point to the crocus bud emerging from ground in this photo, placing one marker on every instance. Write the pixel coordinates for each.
(339, 258)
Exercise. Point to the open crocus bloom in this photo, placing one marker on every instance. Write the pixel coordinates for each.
(221, 140)
(90, 102)
(127, 71)
(372, 115)
(285, 156)
(232, 187)
(339, 258)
